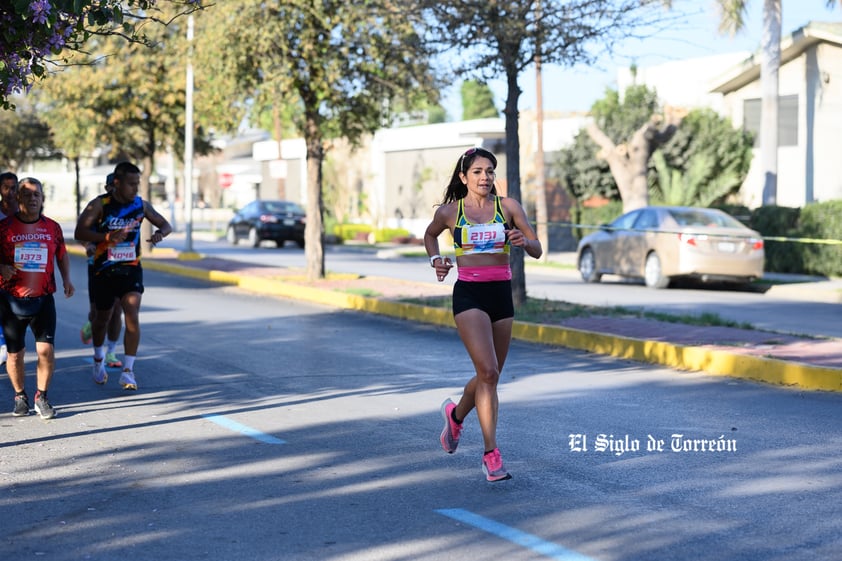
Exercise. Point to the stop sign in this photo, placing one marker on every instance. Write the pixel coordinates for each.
(226, 180)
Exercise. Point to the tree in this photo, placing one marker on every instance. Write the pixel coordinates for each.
(24, 136)
(36, 34)
(132, 102)
(339, 63)
(436, 113)
(705, 162)
(628, 154)
(732, 20)
(579, 167)
(500, 37)
(583, 174)
(74, 124)
(477, 101)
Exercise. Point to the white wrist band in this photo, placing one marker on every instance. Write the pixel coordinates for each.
(433, 259)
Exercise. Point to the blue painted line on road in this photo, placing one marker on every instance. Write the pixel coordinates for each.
(536, 544)
(243, 429)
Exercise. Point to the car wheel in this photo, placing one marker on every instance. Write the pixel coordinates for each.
(587, 266)
(254, 238)
(231, 235)
(653, 274)
(280, 243)
(300, 242)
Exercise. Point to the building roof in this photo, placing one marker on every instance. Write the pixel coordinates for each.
(792, 46)
(441, 135)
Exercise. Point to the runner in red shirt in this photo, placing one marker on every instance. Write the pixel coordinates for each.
(8, 206)
(30, 246)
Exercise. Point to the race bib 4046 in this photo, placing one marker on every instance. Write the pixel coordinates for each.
(122, 252)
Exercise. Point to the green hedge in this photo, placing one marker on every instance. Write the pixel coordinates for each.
(822, 221)
(596, 216)
(362, 232)
(779, 221)
(347, 232)
(392, 235)
(815, 221)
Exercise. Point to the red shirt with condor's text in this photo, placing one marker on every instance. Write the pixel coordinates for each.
(32, 248)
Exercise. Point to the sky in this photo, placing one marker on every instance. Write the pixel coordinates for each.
(693, 35)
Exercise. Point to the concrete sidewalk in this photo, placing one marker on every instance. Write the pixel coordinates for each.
(806, 363)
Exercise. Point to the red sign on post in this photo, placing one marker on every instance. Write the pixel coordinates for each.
(226, 180)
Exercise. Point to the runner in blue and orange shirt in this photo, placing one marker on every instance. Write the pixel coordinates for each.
(112, 222)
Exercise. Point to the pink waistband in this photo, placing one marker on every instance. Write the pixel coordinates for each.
(488, 273)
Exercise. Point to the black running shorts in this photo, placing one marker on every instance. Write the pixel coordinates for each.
(114, 283)
(494, 298)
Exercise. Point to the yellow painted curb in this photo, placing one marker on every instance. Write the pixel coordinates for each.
(712, 361)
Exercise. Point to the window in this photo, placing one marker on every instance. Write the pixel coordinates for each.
(787, 119)
(704, 217)
(625, 221)
(648, 220)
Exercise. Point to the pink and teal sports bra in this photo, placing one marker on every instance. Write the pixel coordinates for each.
(490, 237)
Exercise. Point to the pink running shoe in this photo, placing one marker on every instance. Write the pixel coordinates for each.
(492, 466)
(451, 432)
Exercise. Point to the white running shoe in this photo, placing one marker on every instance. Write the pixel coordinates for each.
(100, 375)
(127, 380)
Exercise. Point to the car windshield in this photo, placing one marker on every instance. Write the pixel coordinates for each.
(625, 221)
(281, 207)
(696, 217)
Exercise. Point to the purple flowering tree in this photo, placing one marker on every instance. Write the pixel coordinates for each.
(35, 34)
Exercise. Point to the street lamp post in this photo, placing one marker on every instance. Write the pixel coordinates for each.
(188, 144)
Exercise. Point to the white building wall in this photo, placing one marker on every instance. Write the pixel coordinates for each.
(294, 152)
(443, 138)
(827, 139)
(812, 170)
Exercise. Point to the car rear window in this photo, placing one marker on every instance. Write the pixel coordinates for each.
(702, 218)
(283, 208)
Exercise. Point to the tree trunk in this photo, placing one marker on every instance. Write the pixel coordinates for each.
(76, 172)
(513, 180)
(146, 195)
(770, 62)
(629, 162)
(313, 232)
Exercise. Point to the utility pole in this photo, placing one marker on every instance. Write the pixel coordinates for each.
(540, 189)
(188, 143)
